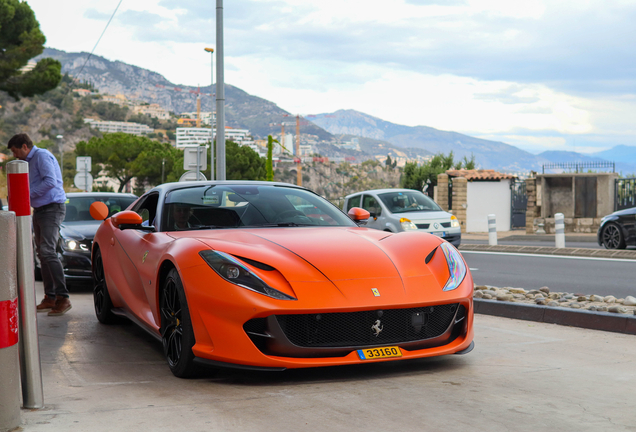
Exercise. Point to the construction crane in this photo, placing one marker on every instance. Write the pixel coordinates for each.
(299, 179)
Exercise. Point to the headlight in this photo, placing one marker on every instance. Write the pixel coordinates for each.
(233, 271)
(74, 245)
(407, 225)
(454, 222)
(456, 266)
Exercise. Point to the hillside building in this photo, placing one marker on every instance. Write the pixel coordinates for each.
(206, 117)
(117, 126)
(152, 110)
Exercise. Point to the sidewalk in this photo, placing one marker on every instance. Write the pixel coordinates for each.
(520, 235)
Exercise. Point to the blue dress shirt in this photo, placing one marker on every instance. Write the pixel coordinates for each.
(45, 178)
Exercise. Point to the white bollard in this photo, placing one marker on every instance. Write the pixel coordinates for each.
(492, 230)
(559, 230)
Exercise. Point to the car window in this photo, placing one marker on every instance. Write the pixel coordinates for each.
(78, 208)
(408, 201)
(353, 202)
(147, 208)
(233, 206)
(370, 204)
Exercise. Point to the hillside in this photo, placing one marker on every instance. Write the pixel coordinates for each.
(488, 154)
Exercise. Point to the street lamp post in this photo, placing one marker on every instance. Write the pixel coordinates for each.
(220, 94)
(211, 51)
(61, 140)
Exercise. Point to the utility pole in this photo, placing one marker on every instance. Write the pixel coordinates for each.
(211, 51)
(298, 165)
(220, 94)
(61, 140)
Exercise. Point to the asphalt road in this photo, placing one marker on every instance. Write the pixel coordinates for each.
(571, 274)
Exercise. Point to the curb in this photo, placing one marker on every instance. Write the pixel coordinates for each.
(543, 250)
(605, 321)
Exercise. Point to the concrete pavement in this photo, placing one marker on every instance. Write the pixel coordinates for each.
(522, 376)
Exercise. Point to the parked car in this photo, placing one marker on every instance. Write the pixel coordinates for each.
(77, 232)
(618, 230)
(398, 210)
(263, 275)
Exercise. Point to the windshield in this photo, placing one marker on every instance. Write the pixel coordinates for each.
(78, 208)
(402, 202)
(233, 206)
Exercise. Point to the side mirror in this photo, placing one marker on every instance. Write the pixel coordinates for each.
(359, 215)
(127, 217)
(98, 211)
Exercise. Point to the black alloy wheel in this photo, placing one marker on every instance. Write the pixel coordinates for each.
(101, 298)
(176, 328)
(613, 237)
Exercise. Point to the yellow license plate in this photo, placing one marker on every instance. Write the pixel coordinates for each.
(376, 353)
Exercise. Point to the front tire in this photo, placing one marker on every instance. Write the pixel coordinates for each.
(101, 298)
(176, 327)
(613, 237)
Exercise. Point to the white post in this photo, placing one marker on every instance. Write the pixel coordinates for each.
(559, 230)
(492, 230)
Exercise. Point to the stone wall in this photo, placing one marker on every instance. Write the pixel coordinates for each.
(572, 225)
(532, 211)
(442, 191)
(460, 187)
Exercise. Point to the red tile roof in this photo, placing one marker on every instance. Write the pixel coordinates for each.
(481, 174)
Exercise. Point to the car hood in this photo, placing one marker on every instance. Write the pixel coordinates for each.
(338, 253)
(84, 230)
(624, 212)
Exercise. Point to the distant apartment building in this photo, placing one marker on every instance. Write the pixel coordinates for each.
(117, 126)
(152, 110)
(120, 99)
(191, 136)
(28, 67)
(206, 117)
(354, 144)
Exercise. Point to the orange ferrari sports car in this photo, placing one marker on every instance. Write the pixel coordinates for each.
(269, 276)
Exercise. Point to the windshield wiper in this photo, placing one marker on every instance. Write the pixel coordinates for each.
(285, 224)
(202, 227)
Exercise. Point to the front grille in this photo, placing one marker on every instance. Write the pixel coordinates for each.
(357, 328)
(446, 224)
(422, 226)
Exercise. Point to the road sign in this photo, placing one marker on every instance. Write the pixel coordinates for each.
(84, 180)
(190, 158)
(83, 163)
(192, 176)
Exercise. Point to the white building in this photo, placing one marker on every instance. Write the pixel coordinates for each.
(117, 126)
(188, 136)
(206, 117)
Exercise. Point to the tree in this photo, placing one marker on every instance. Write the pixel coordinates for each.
(125, 157)
(415, 177)
(270, 162)
(20, 41)
(243, 163)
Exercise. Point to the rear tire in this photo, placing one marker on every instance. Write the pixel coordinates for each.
(613, 237)
(177, 334)
(101, 298)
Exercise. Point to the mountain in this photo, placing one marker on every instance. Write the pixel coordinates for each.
(623, 153)
(488, 154)
(242, 110)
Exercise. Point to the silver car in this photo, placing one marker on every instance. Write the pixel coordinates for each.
(398, 210)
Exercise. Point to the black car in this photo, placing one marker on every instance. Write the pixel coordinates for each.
(618, 230)
(78, 229)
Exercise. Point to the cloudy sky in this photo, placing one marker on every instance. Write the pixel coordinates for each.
(538, 74)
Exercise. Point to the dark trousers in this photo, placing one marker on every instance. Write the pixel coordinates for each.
(46, 228)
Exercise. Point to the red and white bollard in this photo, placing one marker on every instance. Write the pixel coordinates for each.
(9, 365)
(20, 203)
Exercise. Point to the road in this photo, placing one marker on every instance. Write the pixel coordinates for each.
(572, 274)
(522, 376)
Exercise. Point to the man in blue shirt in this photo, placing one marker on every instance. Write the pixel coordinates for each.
(48, 202)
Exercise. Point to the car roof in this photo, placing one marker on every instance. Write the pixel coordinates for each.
(98, 194)
(381, 191)
(167, 187)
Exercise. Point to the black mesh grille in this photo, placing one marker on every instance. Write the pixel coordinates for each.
(356, 328)
(446, 224)
(422, 226)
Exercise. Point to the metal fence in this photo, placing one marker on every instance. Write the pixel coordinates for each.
(624, 193)
(580, 166)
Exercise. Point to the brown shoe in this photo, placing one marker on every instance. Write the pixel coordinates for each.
(46, 304)
(62, 305)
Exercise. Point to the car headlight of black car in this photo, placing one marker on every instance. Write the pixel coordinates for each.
(72, 245)
(233, 271)
(456, 266)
